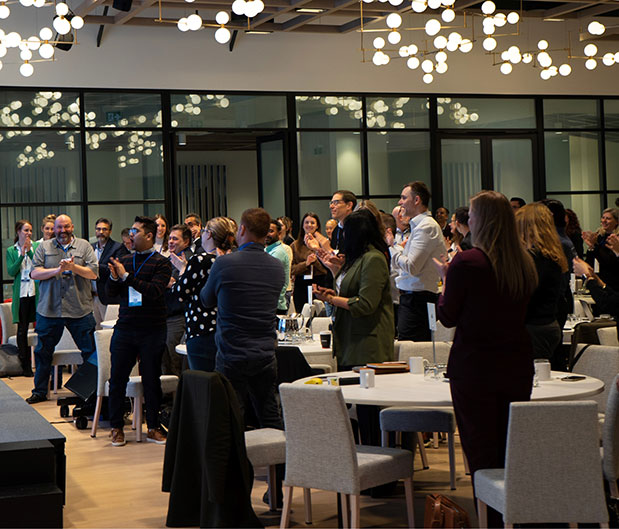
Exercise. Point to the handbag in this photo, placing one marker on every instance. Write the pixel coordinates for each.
(442, 512)
(10, 365)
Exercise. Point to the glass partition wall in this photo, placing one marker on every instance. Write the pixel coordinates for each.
(116, 154)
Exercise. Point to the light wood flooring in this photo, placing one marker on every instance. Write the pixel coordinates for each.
(121, 486)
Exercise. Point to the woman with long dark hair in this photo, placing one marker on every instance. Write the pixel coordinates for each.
(363, 329)
(161, 238)
(485, 296)
(25, 289)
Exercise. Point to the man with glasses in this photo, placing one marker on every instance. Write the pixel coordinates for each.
(65, 267)
(194, 223)
(140, 280)
(341, 205)
(104, 248)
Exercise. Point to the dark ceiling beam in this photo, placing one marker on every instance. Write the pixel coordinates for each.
(263, 18)
(598, 10)
(356, 24)
(561, 10)
(87, 6)
(464, 4)
(306, 19)
(123, 18)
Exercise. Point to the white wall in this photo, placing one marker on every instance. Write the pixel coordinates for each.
(145, 57)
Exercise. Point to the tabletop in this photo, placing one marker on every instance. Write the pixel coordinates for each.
(404, 389)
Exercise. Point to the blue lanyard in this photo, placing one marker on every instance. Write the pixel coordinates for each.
(136, 272)
(243, 246)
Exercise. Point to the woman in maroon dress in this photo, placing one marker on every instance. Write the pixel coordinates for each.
(485, 296)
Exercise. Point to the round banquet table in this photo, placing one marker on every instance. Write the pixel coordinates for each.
(404, 389)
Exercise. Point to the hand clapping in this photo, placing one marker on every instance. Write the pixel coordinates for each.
(116, 268)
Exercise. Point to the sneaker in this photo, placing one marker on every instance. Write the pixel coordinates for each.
(35, 398)
(118, 437)
(156, 435)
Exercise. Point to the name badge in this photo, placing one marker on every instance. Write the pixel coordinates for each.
(311, 274)
(25, 275)
(135, 298)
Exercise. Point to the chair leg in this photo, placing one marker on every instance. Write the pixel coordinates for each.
(408, 491)
(33, 363)
(435, 440)
(345, 503)
(467, 470)
(137, 418)
(398, 439)
(133, 412)
(95, 419)
(482, 514)
(614, 490)
(285, 519)
(272, 483)
(55, 380)
(307, 499)
(452, 460)
(355, 511)
(422, 451)
(384, 439)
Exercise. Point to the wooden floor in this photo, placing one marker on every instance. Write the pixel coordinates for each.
(121, 486)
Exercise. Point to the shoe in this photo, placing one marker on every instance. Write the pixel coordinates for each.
(118, 437)
(156, 435)
(279, 501)
(35, 398)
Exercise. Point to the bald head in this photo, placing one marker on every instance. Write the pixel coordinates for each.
(63, 229)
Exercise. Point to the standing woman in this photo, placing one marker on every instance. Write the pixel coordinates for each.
(25, 290)
(163, 232)
(218, 238)
(47, 227)
(601, 247)
(485, 296)
(305, 262)
(539, 236)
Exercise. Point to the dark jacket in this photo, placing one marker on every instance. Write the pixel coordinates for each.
(111, 249)
(174, 305)
(609, 262)
(206, 470)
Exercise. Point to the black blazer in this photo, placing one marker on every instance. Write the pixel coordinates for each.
(112, 249)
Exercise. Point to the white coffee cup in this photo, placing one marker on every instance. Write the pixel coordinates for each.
(542, 369)
(366, 378)
(416, 365)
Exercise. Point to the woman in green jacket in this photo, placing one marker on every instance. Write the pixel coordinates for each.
(25, 290)
(363, 330)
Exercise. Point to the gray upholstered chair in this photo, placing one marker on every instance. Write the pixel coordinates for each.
(66, 353)
(412, 419)
(9, 329)
(266, 447)
(404, 349)
(610, 440)
(552, 472)
(608, 336)
(321, 452)
(321, 324)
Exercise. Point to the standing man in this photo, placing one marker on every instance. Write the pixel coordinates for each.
(179, 241)
(194, 223)
(140, 280)
(276, 249)
(64, 267)
(417, 277)
(246, 286)
(104, 248)
(341, 205)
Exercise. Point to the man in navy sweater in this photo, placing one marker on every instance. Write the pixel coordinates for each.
(140, 279)
(245, 287)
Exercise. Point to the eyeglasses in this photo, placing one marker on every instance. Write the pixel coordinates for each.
(133, 231)
(335, 202)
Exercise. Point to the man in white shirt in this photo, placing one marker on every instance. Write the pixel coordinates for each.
(417, 277)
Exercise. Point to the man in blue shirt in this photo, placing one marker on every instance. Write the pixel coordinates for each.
(275, 249)
(245, 286)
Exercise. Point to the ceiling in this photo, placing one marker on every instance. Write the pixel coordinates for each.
(335, 16)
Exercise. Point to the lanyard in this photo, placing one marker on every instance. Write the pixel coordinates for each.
(136, 272)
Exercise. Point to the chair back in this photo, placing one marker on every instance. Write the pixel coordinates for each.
(6, 320)
(610, 435)
(608, 336)
(66, 343)
(320, 448)
(320, 324)
(307, 311)
(111, 312)
(291, 364)
(104, 358)
(403, 350)
(599, 361)
(319, 308)
(444, 334)
(552, 464)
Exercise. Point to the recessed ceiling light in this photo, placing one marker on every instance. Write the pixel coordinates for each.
(314, 10)
(257, 32)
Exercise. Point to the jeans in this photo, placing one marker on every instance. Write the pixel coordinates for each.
(201, 352)
(172, 363)
(50, 331)
(127, 346)
(27, 309)
(259, 382)
(413, 316)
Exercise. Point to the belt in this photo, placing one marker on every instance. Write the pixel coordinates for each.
(416, 292)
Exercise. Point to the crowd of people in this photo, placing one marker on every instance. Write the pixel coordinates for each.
(498, 271)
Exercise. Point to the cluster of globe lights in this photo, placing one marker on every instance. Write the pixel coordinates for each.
(193, 104)
(608, 59)
(63, 23)
(194, 22)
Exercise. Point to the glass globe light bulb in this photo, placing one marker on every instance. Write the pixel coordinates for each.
(259, 6)
(428, 78)
(544, 59)
(376, 59)
(403, 51)
(26, 69)
(238, 7)
(441, 67)
(379, 43)
(553, 71)
(4, 11)
(434, 4)
(449, 15)
(617, 57)
(33, 43)
(12, 40)
(26, 3)
(61, 25)
(62, 9)
(542, 45)
(590, 50)
(412, 49)
(489, 29)
(608, 59)
(427, 66)
(182, 24)
(545, 75)
(222, 35)
(455, 36)
(488, 7)
(591, 64)
(513, 17)
(222, 17)
(251, 9)
(26, 55)
(39, 3)
(394, 37)
(194, 22)
(527, 58)
(418, 6)
(466, 46)
(46, 51)
(440, 42)
(433, 26)
(396, 2)
(565, 70)
(394, 20)
(499, 20)
(413, 63)
(3, 50)
(77, 22)
(441, 56)
(46, 34)
(452, 45)
(489, 44)
(385, 58)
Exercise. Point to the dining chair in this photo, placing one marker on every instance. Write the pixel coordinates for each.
(321, 324)
(418, 420)
(598, 361)
(610, 440)
(66, 353)
(135, 390)
(608, 336)
(9, 330)
(321, 452)
(111, 312)
(552, 468)
(266, 447)
(404, 349)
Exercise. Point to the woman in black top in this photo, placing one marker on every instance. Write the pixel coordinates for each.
(537, 231)
(217, 239)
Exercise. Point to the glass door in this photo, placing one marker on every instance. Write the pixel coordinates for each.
(272, 168)
(461, 169)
